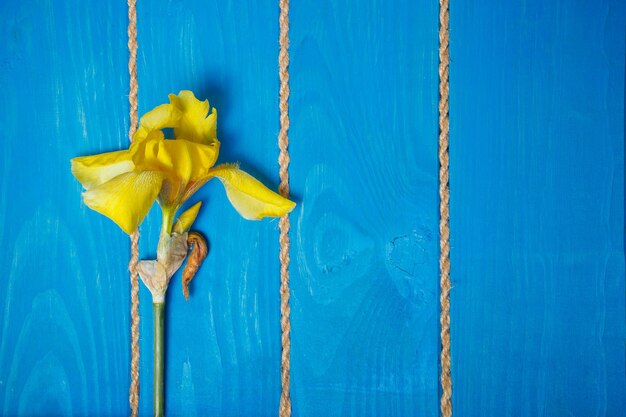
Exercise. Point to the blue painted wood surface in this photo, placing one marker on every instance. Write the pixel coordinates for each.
(537, 208)
(537, 178)
(364, 153)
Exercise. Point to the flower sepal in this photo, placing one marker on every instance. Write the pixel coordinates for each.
(156, 274)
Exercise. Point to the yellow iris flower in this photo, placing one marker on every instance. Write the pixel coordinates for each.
(123, 185)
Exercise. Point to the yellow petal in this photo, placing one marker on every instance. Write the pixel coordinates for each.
(194, 125)
(185, 220)
(127, 198)
(192, 187)
(180, 159)
(94, 170)
(161, 117)
(250, 198)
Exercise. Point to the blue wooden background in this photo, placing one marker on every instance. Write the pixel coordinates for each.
(537, 180)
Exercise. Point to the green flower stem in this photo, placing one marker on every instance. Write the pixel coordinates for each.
(167, 219)
(158, 310)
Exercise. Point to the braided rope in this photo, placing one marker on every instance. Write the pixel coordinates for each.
(283, 159)
(283, 142)
(133, 396)
(444, 207)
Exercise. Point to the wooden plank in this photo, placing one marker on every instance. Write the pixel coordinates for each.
(223, 349)
(63, 293)
(365, 247)
(537, 180)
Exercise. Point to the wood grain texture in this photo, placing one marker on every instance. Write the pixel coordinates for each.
(537, 215)
(64, 291)
(223, 346)
(537, 171)
(363, 147)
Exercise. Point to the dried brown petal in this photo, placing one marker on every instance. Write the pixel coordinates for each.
(198, 252)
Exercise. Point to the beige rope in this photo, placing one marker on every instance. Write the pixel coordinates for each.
(444, 207)
(133, 396)
(283, 188)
